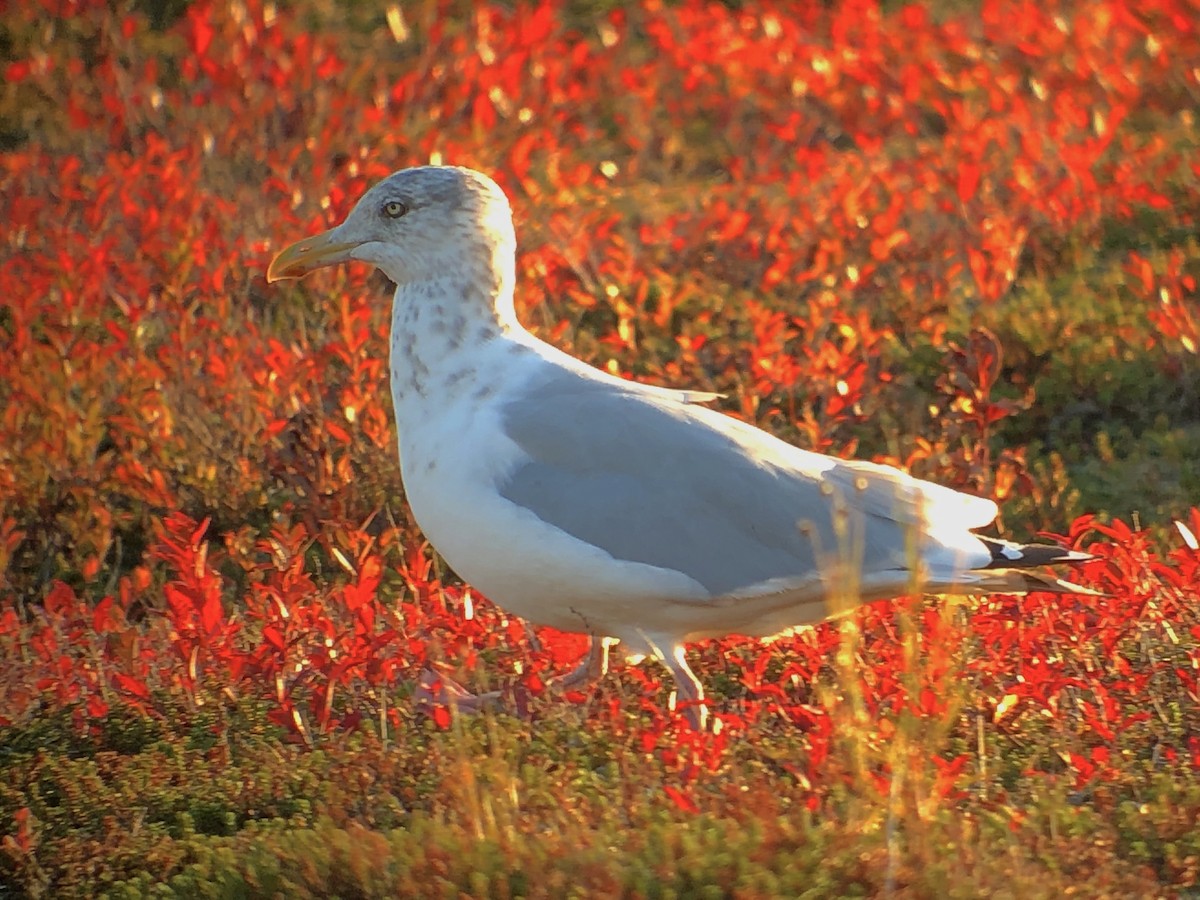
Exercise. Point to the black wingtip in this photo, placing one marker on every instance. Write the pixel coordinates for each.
(1008, 555)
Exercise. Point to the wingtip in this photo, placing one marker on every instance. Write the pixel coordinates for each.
(1010, 555)
(1076, 556)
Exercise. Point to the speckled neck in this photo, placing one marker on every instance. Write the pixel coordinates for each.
(440, 330)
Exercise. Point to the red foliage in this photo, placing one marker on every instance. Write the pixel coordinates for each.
(190, 492)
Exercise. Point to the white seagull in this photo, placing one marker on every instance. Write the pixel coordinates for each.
(582, 501)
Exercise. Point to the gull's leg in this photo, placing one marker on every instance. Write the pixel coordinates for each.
(687, 688)
(593, 667)
(531, 636)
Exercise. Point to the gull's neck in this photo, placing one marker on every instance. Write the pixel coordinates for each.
(442, 331)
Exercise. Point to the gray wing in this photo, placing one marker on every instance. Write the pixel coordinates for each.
(652, 480)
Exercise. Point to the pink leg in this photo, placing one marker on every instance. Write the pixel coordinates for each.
(593, 667)
(687, 688)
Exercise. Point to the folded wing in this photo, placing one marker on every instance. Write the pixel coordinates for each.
(651, 479)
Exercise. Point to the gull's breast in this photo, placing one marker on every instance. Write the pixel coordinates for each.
(454, 458)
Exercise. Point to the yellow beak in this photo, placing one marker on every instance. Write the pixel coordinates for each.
(311, 253)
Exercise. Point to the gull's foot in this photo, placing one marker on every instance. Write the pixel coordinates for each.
(435, 689)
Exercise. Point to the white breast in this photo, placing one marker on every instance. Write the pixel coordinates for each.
(447, 395)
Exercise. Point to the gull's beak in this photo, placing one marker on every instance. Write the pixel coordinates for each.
(302, 257)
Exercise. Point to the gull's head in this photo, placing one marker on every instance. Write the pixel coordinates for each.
(416, 224)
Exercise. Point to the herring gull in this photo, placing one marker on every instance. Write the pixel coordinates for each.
(593, 504)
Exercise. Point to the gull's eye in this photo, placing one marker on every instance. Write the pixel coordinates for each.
(394, 209)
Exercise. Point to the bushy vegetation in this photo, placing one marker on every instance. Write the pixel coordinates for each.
(961, 239)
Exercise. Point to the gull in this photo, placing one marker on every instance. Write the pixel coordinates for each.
(627, 512)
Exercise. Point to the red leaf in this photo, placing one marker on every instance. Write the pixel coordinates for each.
(60, 600)
(680, 799)
(198, 534)
(201, 35)
(217, 367)
(101, 616)
(441, 717)
(117, 332)
(211, 613)
(968, 181)
(96, 707)
(273, 636)
(131, 685)
(179, 602)
(17, 71)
